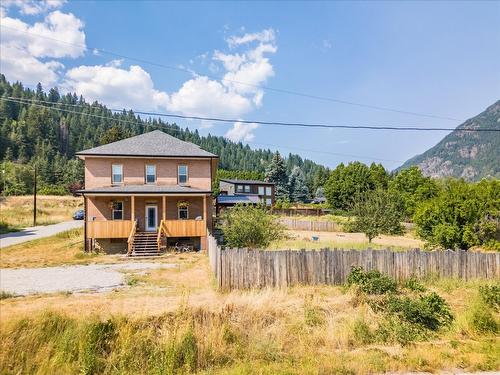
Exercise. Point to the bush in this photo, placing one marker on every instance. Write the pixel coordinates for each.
(428, 311)
(249, 226)
(490, 295)
(413, 284)
(371, 282)
(482, 320)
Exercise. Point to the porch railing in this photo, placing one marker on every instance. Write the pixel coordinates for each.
(185, 228)
(131, 236)
(109, 228)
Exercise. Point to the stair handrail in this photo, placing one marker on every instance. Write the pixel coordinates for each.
(161, 229)
(131, 236)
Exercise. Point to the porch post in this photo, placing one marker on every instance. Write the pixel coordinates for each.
(205, 208)
(164, 207)
(132, 207)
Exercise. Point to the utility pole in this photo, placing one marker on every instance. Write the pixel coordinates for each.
(34, 198)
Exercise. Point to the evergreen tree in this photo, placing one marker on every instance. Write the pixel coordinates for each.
(276, 172)
(297, 186)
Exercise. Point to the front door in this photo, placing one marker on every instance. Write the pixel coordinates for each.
(151, 218)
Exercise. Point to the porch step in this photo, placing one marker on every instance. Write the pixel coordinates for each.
(145, 245)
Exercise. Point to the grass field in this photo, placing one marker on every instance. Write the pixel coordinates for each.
(63, 248)
(172, 321)
(17, 212)
(303, 240)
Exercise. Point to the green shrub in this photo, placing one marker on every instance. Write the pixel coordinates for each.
(482, 320)
(371, 282)
(249, 226)
(396, 330)
(490, 295)
(429, 311)
(6, 295)
(362, 332)
(413, 284)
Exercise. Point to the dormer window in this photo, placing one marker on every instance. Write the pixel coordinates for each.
(150, 174)
(117, 174)
(182, 174)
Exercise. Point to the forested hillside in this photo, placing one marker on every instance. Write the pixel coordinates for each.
(48, 128)
(468, 155)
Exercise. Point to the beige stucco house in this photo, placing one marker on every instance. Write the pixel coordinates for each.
(147, 192)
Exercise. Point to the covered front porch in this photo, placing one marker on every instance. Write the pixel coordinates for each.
(116, 221)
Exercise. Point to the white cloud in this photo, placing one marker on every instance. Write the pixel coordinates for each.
(241, 132)
(202, 96)
(265, 36)
(326, 44)
(33, 7)
(28, 52)
(59, 35)
(116, 87)
(18, 65)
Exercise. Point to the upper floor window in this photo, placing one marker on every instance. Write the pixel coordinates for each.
(261, 190)
(247, 188)
(182, 174)
(117, 174)
(239, 188)
(117, 211)
(268, 190)
(150, 174)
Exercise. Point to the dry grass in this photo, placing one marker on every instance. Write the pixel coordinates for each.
(63, 248)
(17, 212)
(300, 330)
(303, 240)
(168, 313)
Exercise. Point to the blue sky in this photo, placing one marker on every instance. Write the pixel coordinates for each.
(440, 58)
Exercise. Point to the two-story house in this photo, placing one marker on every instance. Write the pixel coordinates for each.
(146, 192)
(233, 192)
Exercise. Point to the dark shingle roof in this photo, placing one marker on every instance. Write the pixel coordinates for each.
(235, 199)
(249, 182)
(143, 189)
(155, 143)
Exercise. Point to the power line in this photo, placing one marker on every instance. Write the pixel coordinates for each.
(170, 129)
(297, 124)
(263, 87)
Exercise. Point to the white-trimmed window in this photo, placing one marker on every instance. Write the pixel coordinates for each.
(183, 213)
(150, 173)
(239, 188)
(117, 211)
(117, 174)
(268, 190)
(268, 201)
(247, 188)
(261, 190)
(182, 174)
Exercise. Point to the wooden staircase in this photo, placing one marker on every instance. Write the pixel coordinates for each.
(145, 244)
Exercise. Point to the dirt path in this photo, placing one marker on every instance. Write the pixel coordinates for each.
(34, 233)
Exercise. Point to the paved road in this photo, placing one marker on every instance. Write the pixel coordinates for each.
(93, 277)
(34, 233)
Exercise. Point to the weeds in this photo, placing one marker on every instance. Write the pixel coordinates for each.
(371, 282)
(491, 296)
(6, 295)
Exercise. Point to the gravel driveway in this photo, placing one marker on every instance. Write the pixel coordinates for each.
(34, 233)
(96, 277)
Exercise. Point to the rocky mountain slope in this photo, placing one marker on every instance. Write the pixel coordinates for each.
(470, 155)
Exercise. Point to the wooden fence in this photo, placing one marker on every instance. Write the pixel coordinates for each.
(316, 226)
(245, 269)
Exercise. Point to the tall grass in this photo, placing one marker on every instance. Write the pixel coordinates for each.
(269, 334)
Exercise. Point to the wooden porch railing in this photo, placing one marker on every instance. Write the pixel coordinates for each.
(131, 236)
(109, 228)
(162, 231)
(185, 228)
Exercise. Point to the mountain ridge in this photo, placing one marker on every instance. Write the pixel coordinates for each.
(468, 155)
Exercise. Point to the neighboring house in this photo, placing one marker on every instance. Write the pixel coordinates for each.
(233, 192)
(147, 191)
